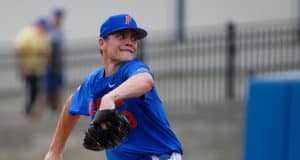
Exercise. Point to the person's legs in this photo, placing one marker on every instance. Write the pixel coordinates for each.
(45, 99)
(32, 89)
(49, 97)
(55, 93)
(28, 95)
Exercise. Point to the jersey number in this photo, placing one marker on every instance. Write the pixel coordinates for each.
(130, 118)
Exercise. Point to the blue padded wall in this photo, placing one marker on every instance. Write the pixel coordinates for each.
(272, 117)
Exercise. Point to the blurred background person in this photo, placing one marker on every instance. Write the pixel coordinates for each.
(53, 79)
(32, 55)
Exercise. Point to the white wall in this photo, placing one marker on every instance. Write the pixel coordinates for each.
(203, 12)
(83, 17)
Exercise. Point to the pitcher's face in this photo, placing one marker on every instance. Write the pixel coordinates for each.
(120, 45)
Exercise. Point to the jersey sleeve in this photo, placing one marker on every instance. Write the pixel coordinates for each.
(81, 98)
(134, 68)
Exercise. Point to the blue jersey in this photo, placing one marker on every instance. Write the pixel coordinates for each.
(151, 133)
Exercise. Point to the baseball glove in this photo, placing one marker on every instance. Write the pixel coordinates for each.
(106, 131)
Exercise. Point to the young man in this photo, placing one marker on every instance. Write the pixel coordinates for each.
(127, 85)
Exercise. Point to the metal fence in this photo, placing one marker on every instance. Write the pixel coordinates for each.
(214, 64)
(209, 65)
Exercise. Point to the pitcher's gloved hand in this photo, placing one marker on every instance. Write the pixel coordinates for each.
(106, 131)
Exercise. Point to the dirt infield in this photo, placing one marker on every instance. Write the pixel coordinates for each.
(207, 132)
